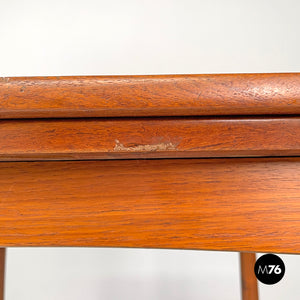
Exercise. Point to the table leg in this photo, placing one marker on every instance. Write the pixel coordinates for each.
(249, 281)
(2, 272)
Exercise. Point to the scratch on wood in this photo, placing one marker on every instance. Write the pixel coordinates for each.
(140, 148)
(4, 79)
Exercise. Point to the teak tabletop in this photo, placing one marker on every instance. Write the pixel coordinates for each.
(176, 161)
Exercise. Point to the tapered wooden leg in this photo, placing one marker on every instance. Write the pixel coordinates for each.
(2, 271)
(249, 281)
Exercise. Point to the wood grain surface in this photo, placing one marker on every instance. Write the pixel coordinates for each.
(160, 95)
(63, 139)
(214, 204)
(248, 278)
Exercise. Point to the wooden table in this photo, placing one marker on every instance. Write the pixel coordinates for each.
(180, 161)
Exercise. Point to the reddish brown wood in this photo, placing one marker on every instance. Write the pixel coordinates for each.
(163, 95)
(221, 204)
(249, 281)
(2, 272)
(213, 204)
(148, 138)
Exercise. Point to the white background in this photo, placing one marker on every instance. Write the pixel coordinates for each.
(60, 37)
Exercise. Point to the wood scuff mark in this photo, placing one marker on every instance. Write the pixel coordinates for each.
(145, 148)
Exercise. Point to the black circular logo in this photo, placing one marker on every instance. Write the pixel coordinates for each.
(269, 269)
